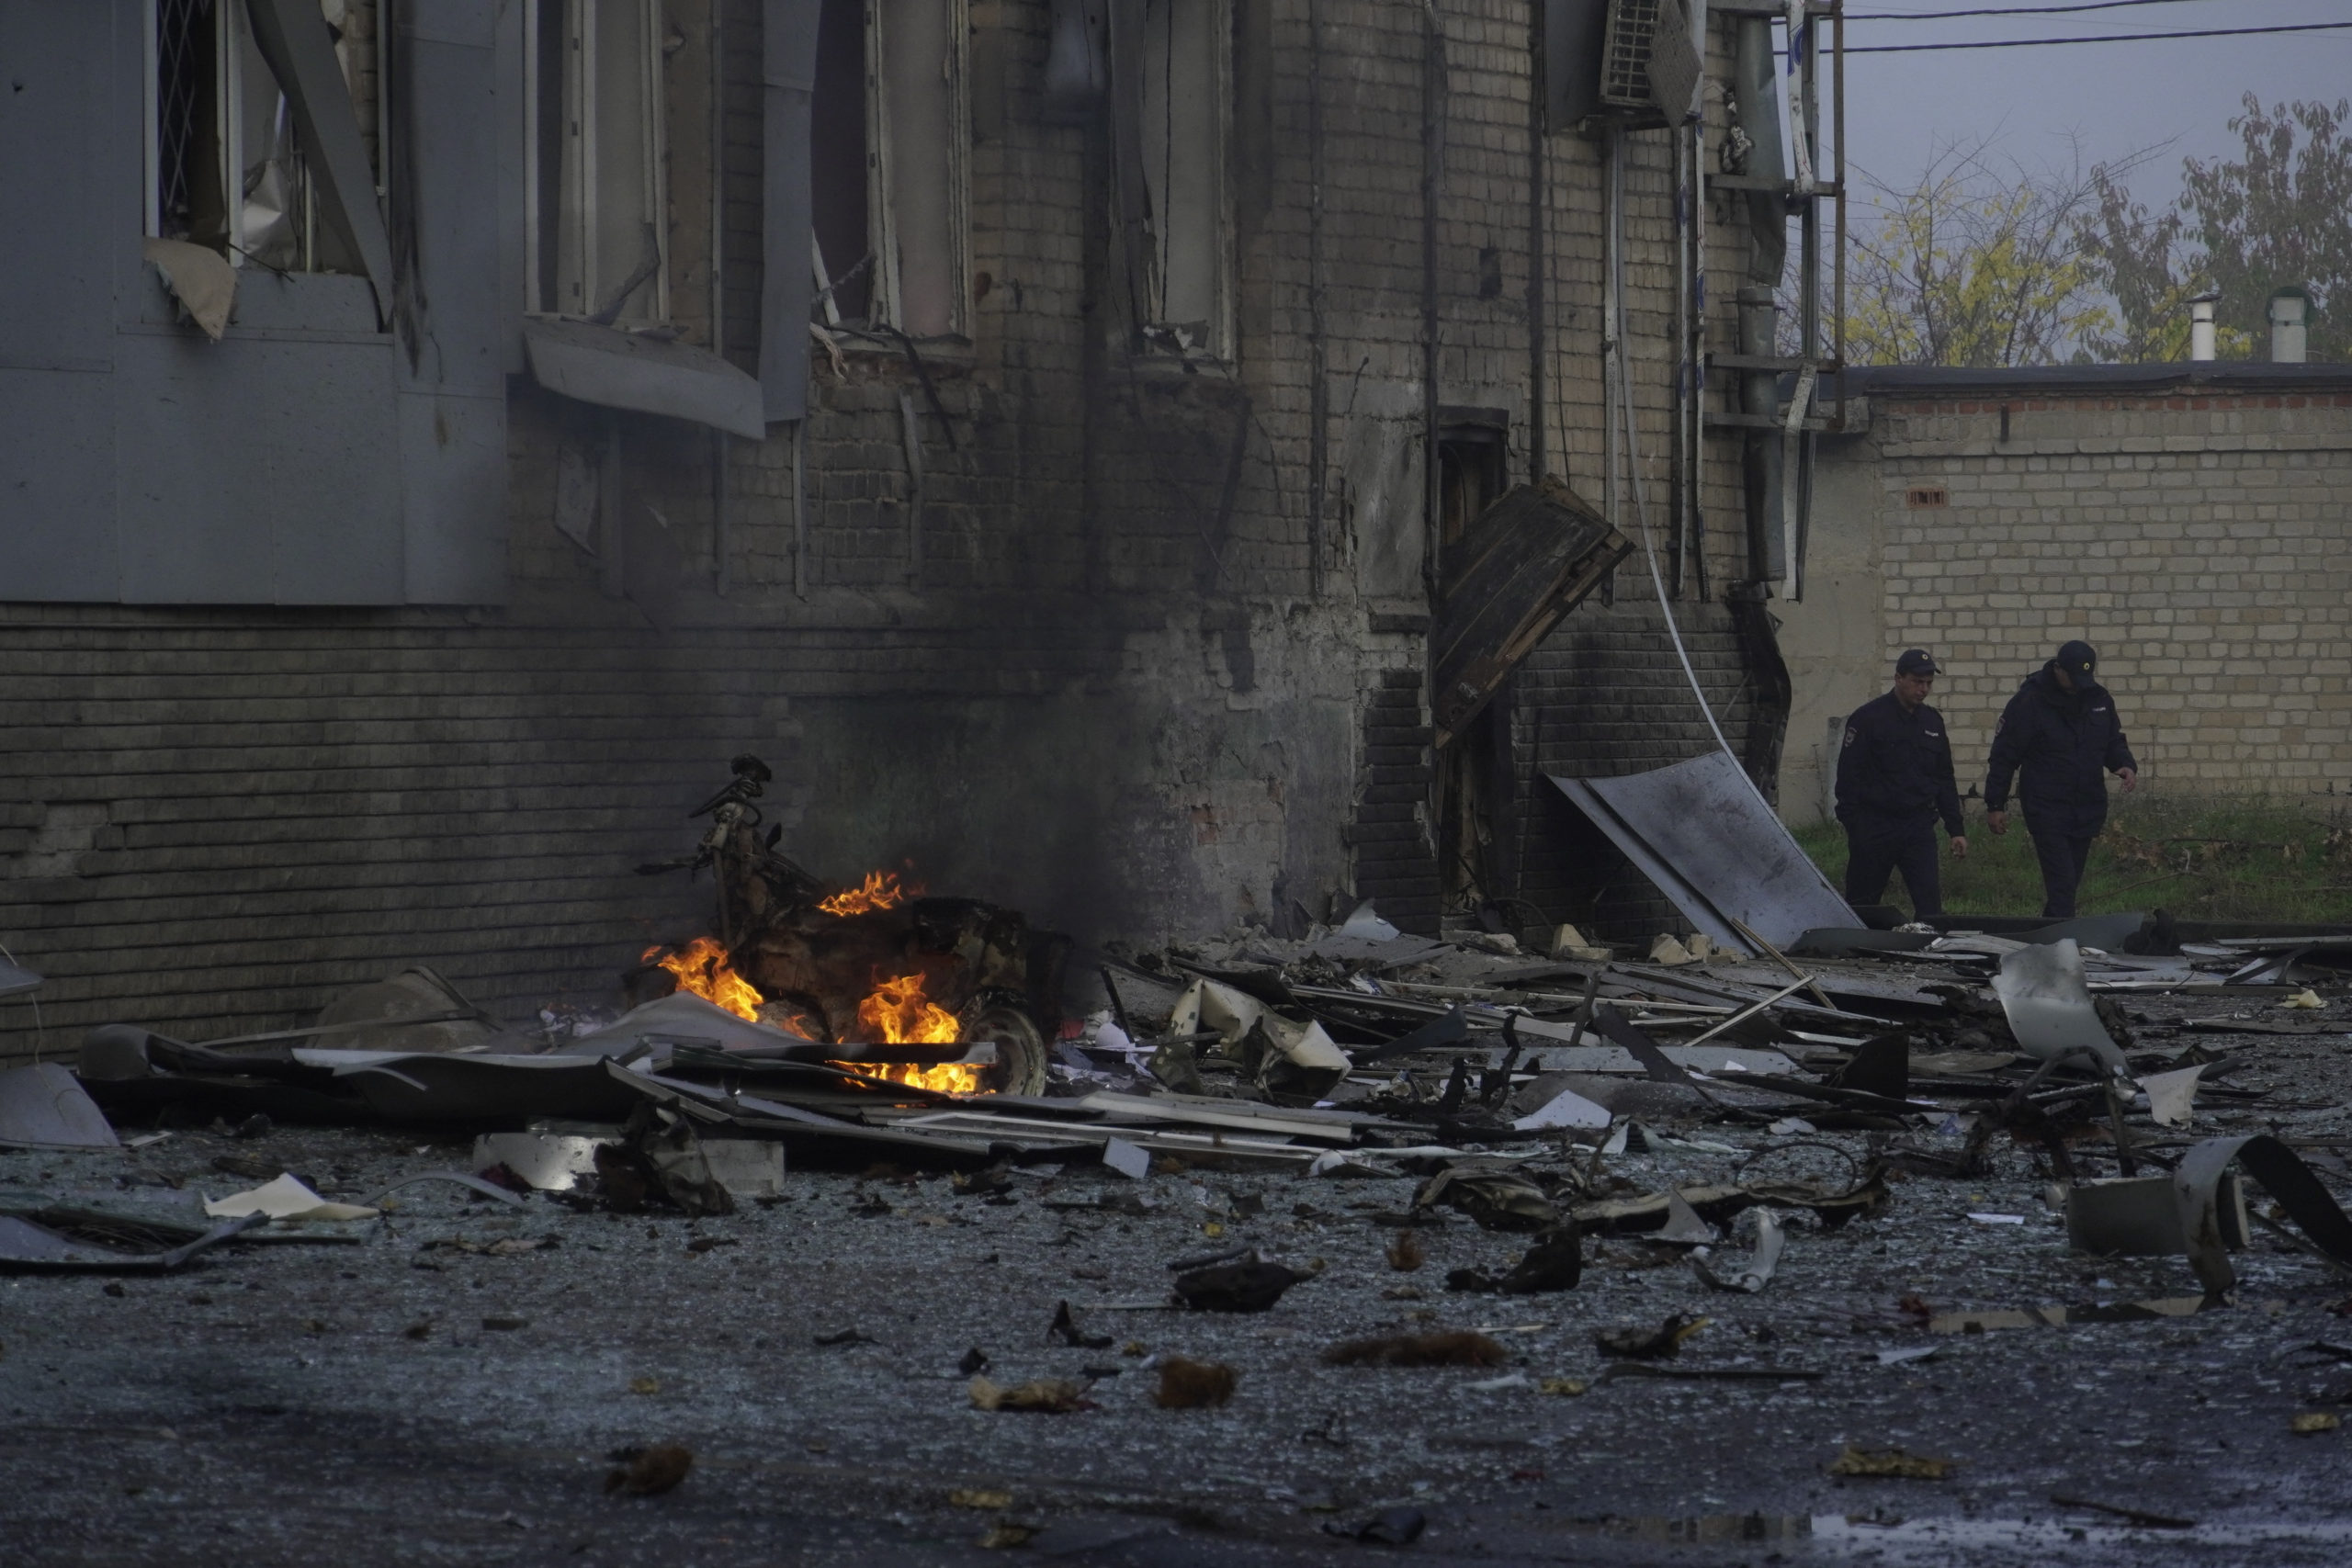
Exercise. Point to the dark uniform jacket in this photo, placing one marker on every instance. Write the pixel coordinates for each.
(2058, 744)
(1894, 768)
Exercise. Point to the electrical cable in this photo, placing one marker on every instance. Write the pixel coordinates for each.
(2102, 38)
(2011, 11)
(1632, 452)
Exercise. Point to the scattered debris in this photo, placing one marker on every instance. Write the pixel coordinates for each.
(1649, 1344)
(2049, 1005)
(649, 1471)
(1569, 1387)
(1898, 1464)
(2140, 1517)
(1406, 1253)
(1051, 1396)
(1390, 1526)
(41, 1107)
(1556, 1262)
(1064, 1330)
(1751, 1273)
(1193, 1385)
(1451, 1348)
(286, 1198)
(1247, 1284)
(2310, 1423)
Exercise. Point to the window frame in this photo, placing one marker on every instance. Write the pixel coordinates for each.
(576, 209)
(232, 42)
(1159, 327)
(887, 305)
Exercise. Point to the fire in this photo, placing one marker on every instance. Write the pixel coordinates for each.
(880, 890)
(898, 1014)
(895, 1012)
(701, 967)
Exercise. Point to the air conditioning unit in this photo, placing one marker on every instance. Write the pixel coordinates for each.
(1625, 52)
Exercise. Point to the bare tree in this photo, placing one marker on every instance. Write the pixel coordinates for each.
(1982, 262)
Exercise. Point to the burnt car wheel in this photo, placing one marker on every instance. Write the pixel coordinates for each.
(1020, 1049)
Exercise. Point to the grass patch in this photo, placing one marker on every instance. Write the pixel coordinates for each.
(2207, 860)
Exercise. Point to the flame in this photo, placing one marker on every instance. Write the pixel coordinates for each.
(898, 1014)
(880, 890)
(701, 967)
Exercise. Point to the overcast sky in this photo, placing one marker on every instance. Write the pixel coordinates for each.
(2111, 98)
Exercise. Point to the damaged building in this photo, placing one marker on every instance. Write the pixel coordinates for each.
(1059, 436)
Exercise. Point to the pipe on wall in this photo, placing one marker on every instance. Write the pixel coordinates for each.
(1756, 85)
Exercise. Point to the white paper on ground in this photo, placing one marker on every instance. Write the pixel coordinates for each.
(1130, 1160)
(1366, 923)
(2172, 1095)
(284, 1199)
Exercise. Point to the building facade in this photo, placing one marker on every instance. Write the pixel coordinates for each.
(1031, 425)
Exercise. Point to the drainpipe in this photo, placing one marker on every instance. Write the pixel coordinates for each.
(2200, 327)
(1758, 88)
(1755, 84)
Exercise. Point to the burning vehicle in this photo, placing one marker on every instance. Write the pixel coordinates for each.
(913, 980)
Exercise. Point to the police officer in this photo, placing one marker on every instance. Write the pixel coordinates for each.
(1894, 780)
(2056, 736)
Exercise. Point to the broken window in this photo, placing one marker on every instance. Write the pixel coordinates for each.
(1184, 110)
(888, 178)
(229, 168)
(596, 233)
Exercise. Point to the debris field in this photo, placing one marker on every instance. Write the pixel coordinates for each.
(1295, 1250)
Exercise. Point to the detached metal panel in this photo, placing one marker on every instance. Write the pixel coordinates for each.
(1701, 832)
(256, 471)
(460, 99)
(69, 140)
(790, 70)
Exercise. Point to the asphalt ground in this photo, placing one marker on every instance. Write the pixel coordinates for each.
(359, 1402)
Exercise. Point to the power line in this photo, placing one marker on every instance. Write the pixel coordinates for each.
(2103, 38)
(2011, 11)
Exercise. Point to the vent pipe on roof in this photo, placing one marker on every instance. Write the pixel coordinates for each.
(2287, 308)
(2200, 327)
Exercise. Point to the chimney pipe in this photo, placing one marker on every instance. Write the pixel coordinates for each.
(2200, 327)
(2288, 308)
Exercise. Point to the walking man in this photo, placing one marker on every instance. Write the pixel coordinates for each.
(1893, 781)
(2056, 737)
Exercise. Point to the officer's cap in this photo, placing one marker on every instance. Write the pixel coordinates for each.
(2078, 660)
(1916, 661)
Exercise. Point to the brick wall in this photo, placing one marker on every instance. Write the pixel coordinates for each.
(2197, 538)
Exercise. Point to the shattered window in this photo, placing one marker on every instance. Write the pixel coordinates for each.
(229, 164)
(598, 250)
(888, 173)
(1183, 116)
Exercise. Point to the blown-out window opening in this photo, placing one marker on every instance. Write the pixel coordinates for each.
(1186, 108)
(227, 169)
(595, 180)
(888, 166)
